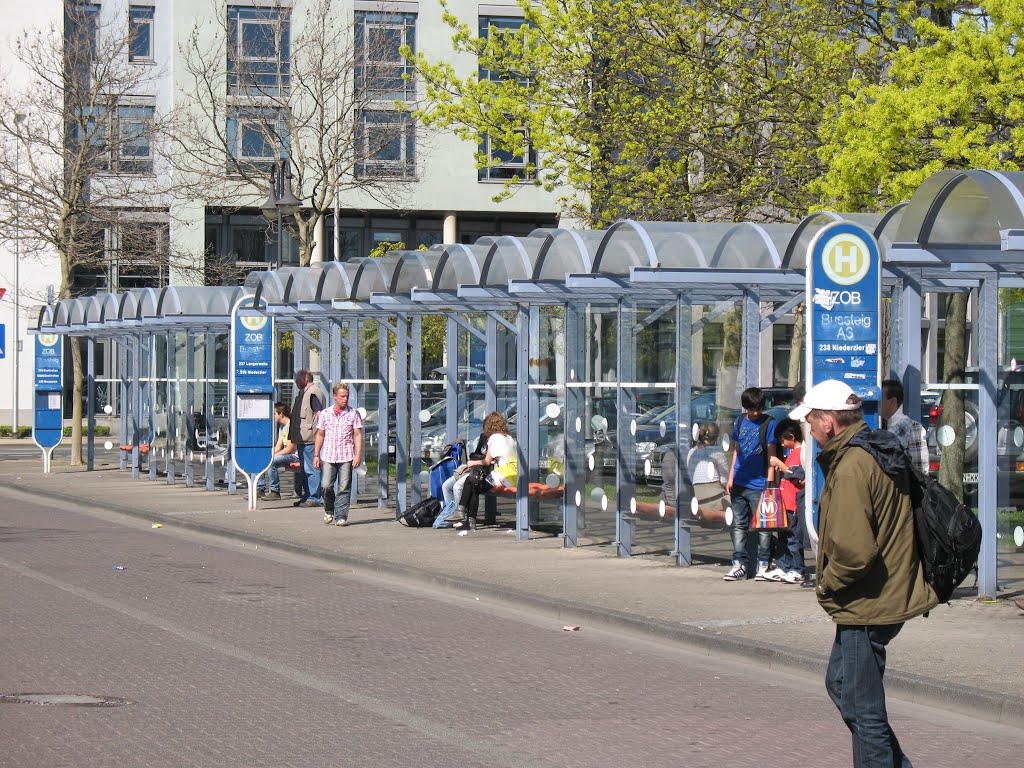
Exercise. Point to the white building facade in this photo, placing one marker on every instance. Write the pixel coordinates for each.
(430, 191)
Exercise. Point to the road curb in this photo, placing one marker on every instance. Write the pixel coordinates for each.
(968, 700)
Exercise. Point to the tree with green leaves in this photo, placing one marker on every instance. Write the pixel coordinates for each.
(658, 110)
(951, 99)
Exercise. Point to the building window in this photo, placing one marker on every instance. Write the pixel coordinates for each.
(517, 160)
(119, 139)
(386, 145)
(256, 138)
(505, 164)
(258, 51)
(381, 70)
(140, 23)
(141, 258)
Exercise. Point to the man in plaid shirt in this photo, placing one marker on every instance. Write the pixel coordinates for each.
(337, 451)
(910, 434)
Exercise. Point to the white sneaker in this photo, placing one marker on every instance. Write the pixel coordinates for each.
(776, 574)
(792, 577)
(737, 573)
(762, 570)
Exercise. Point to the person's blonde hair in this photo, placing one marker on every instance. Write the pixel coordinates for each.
(495, 424)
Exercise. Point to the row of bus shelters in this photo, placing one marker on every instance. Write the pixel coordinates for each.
(603, 348)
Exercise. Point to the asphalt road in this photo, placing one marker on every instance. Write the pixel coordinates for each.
(231, 656)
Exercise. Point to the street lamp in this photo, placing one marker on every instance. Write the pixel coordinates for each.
(282, 201)
(19, 118)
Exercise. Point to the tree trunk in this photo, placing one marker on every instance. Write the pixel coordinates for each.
(951, 469)
(796, 350)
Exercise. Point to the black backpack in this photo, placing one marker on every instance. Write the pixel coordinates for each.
(948, 534)
(421, 515)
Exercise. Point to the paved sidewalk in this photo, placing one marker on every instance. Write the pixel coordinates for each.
(966, 657)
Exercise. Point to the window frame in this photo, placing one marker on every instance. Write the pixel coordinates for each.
(369, 166)
(258, 75)
(506, 170)
(140, 16)
(367, 70)
(239, 120)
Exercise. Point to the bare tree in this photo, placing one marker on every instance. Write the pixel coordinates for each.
(296, 83)
(78, 146)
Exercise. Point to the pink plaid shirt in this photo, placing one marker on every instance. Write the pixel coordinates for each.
(338, 427)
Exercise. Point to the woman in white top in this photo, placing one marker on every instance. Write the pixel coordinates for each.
(708, 467)
(501, 455)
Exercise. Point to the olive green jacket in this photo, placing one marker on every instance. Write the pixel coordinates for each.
(869, 571)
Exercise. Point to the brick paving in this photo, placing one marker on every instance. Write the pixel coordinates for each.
(230, 658)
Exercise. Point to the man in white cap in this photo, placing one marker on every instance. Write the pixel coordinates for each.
(869, 575)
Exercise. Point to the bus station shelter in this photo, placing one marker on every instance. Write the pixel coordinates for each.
(604, 349)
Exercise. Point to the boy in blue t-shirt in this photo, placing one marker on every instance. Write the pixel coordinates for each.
(749, 472)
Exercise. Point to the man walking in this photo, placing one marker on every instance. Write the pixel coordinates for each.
(870, 577)
(911, 434)
(308, 403)
(337, 451)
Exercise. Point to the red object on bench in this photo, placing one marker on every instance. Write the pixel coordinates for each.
(294, 466)
(705, 517)
(537, 491)
(143, 448)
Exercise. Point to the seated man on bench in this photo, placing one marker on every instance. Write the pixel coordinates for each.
(284, 455)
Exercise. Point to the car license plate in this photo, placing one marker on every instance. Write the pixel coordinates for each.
(391, 450)
(609, 463)
(655, 472)
(971, 477)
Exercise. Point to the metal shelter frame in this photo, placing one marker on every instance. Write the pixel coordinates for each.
(961, 231)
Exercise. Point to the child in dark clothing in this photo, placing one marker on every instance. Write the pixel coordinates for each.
(789, 566)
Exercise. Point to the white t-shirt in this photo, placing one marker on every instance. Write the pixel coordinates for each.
(502, 448)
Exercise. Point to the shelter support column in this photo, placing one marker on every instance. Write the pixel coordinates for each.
(190, 407)
(625, 429)
(575, 445)
(750, 355)
(451, 390)
(151, 401)
(683, 373)
(90, 402)
(401, 412)
(171, 404)
(415, 353)
(491, 393)
(209, 364)
(988, 480)
(136, 400)
(526, 419)
(123, 400)
(384, 412)
(906, 344)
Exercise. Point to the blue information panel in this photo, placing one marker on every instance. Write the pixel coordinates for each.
(844, 291)
(48, 406)
(3, 341)
(252, 360)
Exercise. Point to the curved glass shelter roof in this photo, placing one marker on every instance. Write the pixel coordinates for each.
(459, 265)
(414, 270)
(564, 252)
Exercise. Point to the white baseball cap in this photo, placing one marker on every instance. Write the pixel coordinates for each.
(831, 395)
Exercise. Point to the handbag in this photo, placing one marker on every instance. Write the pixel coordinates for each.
(505, 474)
(770, 514)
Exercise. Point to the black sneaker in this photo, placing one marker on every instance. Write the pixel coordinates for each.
(271, 496)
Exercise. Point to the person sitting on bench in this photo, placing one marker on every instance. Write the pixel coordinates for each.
(500, 457)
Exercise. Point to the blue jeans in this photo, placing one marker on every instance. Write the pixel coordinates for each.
(336, 482)
(441, 521)
(854, 682)
(313, 492)
(744, 502)
(790, 555)
(273, 476)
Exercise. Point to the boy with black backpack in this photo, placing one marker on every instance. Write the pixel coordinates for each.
(753, 438)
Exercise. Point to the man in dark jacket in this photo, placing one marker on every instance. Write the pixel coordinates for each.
(870, 578)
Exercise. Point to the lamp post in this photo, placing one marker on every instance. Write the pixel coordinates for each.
(19, 118)
(281, 202)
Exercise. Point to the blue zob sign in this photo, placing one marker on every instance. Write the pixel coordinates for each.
(252, 390)
(48, 405)
(844, 290)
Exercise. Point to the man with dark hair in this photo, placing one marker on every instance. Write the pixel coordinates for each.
(911, 435)
(302, 431)
(284, 454)
(753, 436)
(870, 576)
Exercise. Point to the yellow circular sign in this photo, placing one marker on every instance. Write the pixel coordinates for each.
(48, 339)
(846, 259)
(253, 322)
